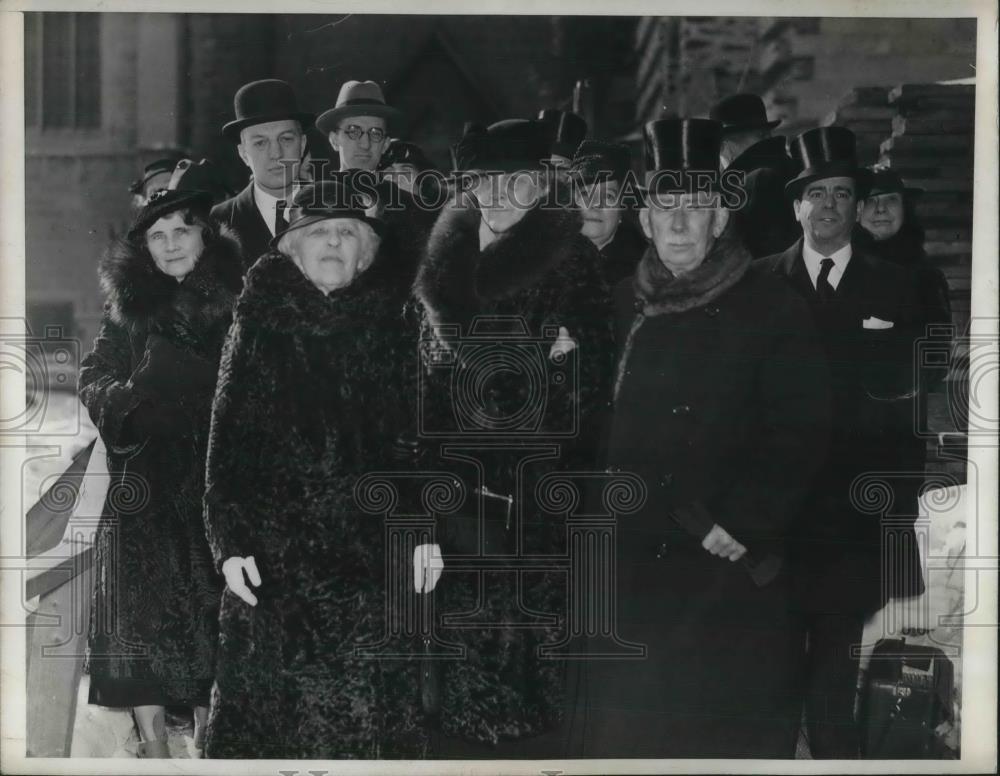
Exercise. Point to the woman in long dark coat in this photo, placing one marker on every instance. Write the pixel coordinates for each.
(720, 396)
(312, 394)
(498, 252)
(148, 385)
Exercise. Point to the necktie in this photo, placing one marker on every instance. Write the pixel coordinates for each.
(824, 290)
(280, 224)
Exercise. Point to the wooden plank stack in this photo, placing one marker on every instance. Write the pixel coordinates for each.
(865, 111)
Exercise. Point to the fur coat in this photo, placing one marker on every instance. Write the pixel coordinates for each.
(312, 393)
(148, 386)
(538, 276)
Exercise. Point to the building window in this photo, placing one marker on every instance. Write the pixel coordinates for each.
(62, 70)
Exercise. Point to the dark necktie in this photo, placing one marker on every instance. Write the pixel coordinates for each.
(824, 290)
(280, 224)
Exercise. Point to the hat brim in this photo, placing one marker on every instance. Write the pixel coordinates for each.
(329, 120)
(174, 200)
(375, 223)
(728, 128)
(233, 128)
(862, 178)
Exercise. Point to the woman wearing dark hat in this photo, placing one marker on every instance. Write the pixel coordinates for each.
(598, 172)
(498, 264)
(312, 393)
(720, 394)
(148, 385)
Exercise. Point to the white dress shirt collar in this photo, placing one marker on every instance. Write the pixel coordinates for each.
(267, 206)
(812, 258)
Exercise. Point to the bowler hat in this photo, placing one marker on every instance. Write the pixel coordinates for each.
(260, 102)
(887, 181)
(505, 146)
(596, 160)
(741, 111)
(151, 170)
(827, 152)
(681, 148)
(336, 197)
(357, 98)
(402, 152)
(565, 130)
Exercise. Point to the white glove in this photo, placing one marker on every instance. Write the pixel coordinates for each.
(427, 567)
(233, 569)
(563, 344)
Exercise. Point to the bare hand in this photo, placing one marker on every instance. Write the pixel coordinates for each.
(233, 569)
(719, 542)
(427, 567)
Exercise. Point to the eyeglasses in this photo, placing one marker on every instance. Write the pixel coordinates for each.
(355, 132)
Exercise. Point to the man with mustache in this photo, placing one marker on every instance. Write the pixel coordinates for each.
(845, 564)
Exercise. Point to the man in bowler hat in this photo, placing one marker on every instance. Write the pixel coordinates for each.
(844, 563)
(268, 132)
(765, 221)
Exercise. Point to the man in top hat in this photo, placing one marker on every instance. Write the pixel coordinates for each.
(766, 221)
(720, 393)
(268, 132)
(155, 177)
(598, 173)
(845, 564)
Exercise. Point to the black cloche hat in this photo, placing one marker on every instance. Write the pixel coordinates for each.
(741, 111)
(565, 130)
(827, 152)
(403, 152)
(260, 102)
(337, 197)
(506, 146)
(595, 159)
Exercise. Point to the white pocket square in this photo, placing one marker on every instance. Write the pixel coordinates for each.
(876, 323)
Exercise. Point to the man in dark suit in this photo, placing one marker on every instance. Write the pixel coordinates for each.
(765, 222)
(268, 131)
(846, 561)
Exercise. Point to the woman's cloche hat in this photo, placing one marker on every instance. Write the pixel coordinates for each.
(337, 197)
(186, 190)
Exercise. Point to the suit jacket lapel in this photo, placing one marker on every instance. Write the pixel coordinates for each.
(250, 225)
(791, 265)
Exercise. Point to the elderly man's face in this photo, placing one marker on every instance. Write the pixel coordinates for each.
(272, 151)
(334, 251)
(682, 228)
(506, 198)
(827, 211)
(364, 151)
(597, 203)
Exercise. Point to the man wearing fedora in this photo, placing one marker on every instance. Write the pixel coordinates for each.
(268, 132)
(845, 564)
(720, 392)
(765, 221)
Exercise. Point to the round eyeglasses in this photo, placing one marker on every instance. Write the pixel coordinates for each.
(355, 132)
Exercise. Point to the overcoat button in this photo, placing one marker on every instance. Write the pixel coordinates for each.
(681, 409)
(661, 551)
(712, 311)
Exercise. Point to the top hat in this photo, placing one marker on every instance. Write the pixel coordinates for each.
(595, 160)
(357, 98)
(827, 152)
(887, 181)
(260, 102)
(506, 146)
(683, 147)
(566, 130)
(402, 152)
(336, 197)
(151, 170)
(200, 176)
(741, 111)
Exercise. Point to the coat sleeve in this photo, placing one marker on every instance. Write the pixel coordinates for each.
(105, 385)
(791, 431)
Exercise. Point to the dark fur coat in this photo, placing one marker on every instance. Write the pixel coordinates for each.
(312, 393)
(539, 275)
(148, 386)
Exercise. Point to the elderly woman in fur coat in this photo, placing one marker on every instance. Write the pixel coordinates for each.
(312, 395)
(148, 385)
(517, 329)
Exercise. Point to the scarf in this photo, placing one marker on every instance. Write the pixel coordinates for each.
(659, 291)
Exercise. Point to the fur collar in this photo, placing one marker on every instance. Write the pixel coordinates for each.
(278, 297)
(138, 293)
(456, 278)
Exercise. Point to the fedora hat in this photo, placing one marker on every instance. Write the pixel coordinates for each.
(357, 98)
(682, 147)
(260, 102)
(827, 152)
(337, 197)
(565, 130)
(741, 111)
(594, 160)
(505, 146)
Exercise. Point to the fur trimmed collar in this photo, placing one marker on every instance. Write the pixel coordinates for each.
(139, 293)
(456, 277)
(279, 297)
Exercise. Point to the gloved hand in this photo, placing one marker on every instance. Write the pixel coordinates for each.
(232, 570)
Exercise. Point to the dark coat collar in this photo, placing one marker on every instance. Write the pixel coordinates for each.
(769, 152)
(456, 278)
(138, 293)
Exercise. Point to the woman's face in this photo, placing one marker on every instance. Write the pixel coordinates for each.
(596, 202)
(174, 245)
(333, 252)
(506, 198)
(882, 214)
